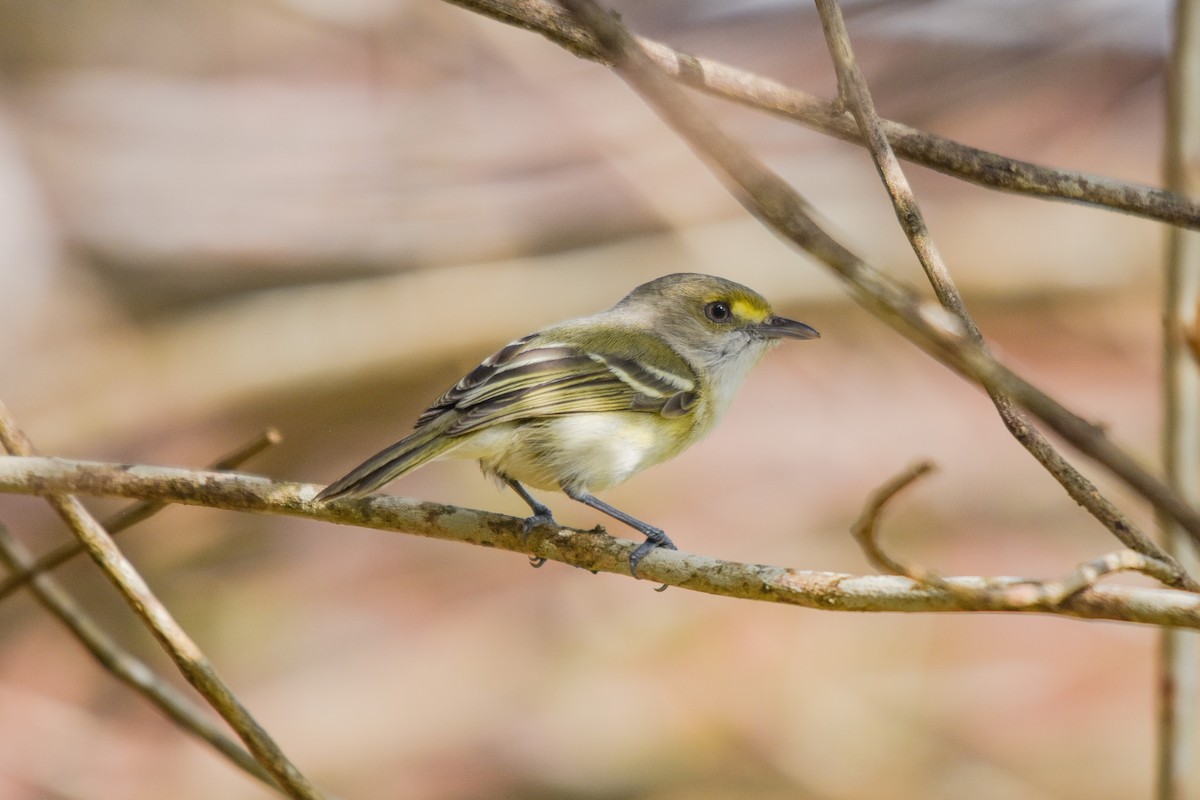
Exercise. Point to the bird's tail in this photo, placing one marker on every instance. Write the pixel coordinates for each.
(420, 446)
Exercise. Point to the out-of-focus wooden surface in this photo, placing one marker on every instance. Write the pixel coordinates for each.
(219, 217)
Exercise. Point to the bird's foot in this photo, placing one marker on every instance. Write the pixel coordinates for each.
(541, 516)
(654, 538)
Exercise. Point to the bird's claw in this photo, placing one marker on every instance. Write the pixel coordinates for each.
(542, 517)
(654, 538)
(539, 518)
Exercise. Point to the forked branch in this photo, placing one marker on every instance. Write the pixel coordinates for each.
(958, 160)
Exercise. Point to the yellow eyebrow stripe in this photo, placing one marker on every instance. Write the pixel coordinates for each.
(745, 309)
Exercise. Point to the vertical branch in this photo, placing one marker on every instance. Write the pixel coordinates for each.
(1180, 654)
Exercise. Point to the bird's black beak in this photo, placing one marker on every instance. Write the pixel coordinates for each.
(783, 328)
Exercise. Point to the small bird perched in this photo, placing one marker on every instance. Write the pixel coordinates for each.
(584, 405)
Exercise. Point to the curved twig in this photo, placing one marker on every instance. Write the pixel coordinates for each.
(1051, 592)
(866, 528)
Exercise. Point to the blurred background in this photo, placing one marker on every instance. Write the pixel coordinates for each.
(218, 217)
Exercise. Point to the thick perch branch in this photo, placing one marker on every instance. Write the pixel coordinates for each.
(590, 550)
(23, 573)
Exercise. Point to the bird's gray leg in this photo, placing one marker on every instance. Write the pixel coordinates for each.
(541, 516)
(654, 536)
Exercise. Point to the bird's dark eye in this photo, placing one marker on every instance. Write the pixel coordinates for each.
(718, 311)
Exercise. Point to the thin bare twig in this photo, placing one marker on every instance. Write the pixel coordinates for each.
(866, 529)
(123, 665)
(127, 518)
(191, 662)
(588, 549)
(855, 94)
(770, 198)
(853, 90)
(952, 158)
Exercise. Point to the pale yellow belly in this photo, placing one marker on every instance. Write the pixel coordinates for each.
(589, 452)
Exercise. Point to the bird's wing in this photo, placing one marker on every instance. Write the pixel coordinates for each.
(527, 380)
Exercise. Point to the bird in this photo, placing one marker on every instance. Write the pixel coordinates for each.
(583, 405)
